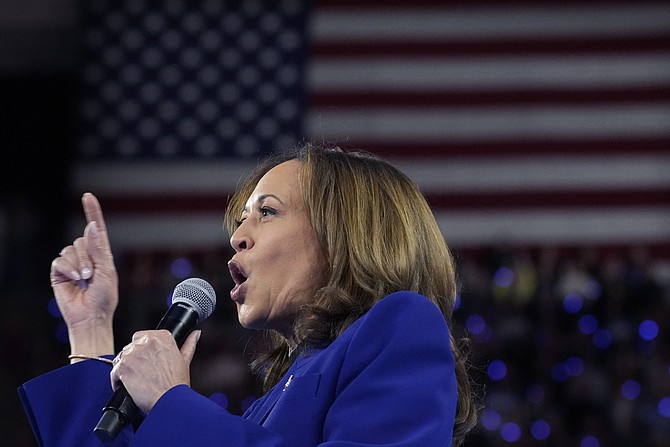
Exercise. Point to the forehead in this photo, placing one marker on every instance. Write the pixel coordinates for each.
(282, 180)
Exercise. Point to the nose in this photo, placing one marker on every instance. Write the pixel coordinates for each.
(240, 239)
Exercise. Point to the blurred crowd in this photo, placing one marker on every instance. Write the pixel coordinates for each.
(572, 346)
(569, 346)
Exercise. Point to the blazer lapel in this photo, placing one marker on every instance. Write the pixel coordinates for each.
(262, 408)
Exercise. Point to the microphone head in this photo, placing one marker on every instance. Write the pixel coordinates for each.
(197, 293)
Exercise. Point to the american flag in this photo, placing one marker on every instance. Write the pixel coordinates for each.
(527, 123)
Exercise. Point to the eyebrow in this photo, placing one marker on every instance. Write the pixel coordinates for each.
(263, 197)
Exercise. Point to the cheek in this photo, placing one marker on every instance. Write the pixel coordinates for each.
(306, 268)
(293, 281)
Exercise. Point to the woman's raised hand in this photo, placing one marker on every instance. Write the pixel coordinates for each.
(85, 283)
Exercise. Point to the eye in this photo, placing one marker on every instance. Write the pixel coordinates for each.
(243, 216)
(239, 221)
(266, 211)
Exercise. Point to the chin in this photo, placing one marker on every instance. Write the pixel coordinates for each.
(246, 321)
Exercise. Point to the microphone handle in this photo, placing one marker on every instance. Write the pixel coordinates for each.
(120, 409)
(180, 320)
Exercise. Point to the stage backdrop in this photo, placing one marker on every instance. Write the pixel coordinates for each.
(530, 122)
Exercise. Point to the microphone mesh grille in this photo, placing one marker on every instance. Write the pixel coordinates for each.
(198, 293)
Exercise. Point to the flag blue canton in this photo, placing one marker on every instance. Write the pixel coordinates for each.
(202, 79)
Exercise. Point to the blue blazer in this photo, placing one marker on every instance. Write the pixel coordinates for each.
(388, 380)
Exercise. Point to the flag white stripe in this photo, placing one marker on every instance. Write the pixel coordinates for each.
(489, 73)
(616, 227)
(535, 173)
(489, 123)
(500, 174)
(188, 231)
(494, 22)
(156, 177)
(565, 226)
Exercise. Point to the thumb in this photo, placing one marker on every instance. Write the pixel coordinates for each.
(188, 348)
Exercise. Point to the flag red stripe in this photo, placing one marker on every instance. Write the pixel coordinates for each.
(656, 250)
(370, 48)
(527, 146)
(374, 5)
(193, 203)
(449, 98)
(552, 199)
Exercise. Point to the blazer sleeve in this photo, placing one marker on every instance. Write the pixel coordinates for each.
(63, 406)
(184, 417)
(397, 385)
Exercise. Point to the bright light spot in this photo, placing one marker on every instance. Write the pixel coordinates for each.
(503, 277)
(510, 432)
(648, 329)
(497, 370)
(540, 430)
(572, 303)
(181, 268)
(630, 389)
(587, 324)
(491, 420)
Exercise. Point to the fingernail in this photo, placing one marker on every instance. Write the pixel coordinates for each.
(197, 335)
(75, 275)
(86, 273)
(94, 228)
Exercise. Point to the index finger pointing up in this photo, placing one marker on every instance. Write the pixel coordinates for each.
(93, 210)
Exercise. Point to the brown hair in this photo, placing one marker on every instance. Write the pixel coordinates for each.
(362, 209)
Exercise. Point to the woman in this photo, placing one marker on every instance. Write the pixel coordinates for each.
(339, 258)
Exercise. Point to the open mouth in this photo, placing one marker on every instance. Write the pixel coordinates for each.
(236, 273)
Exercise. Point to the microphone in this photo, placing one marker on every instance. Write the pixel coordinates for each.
(193, 300)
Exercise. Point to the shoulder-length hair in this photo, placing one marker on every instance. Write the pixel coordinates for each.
(378, 235)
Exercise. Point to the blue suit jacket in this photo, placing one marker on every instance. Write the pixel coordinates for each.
(388, 380)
